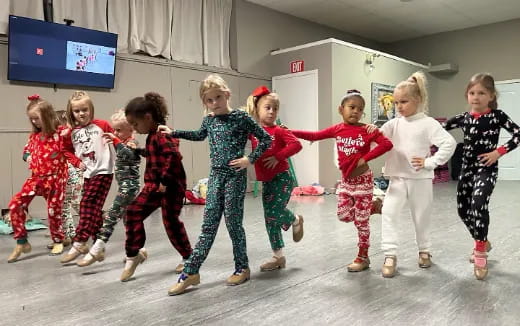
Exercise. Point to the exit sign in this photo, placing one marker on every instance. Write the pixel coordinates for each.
(296, 66)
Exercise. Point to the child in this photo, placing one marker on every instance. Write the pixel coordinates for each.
(228, 131)
(353, 147)
(46, 153)
(97, 162)
(272, 169)
(481, 127)
(127, 176)
(72, 192)
(164, 183)
(410, 168)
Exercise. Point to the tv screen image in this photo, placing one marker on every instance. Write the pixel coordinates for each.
(90, 58)
(53, 53)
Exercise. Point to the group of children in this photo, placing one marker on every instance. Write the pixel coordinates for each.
(59, 153)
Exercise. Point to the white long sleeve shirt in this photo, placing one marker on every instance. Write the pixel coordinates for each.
(412, 137)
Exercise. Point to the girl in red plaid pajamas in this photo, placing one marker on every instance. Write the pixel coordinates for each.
(164, 184)
(47, 154)
(353, 146)
(96, 158)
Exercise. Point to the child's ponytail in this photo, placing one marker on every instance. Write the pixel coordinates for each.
(416, 86)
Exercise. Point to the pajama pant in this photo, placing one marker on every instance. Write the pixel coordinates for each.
(95, 191)
(355, 204)
(52, 188)
(275, 196)
(145, 204)
(418, 193)
(474, 190)
(72, 201)
(126, 193)
(226, 192)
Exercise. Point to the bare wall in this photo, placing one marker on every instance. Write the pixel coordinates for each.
(259, 30)
(491, 48)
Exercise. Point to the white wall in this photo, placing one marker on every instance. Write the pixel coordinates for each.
(257, 30)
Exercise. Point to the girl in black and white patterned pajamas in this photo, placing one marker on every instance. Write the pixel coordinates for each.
(481, 127)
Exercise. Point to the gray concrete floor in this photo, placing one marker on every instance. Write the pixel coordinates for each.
(314, 289)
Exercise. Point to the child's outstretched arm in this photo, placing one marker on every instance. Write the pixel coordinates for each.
(329, 132)
(126, 151)
(195, 135)
(455, 122)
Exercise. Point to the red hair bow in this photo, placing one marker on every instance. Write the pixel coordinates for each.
(260, 91)
(33, 97)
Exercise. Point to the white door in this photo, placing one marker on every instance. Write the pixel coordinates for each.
(299, 110)
(508, 99)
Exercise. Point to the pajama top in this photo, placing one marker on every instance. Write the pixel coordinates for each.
(412, 137)
(91, 148)
(49, 153)
(481, 132)
(283, 145)
(127, 160)
(228, 134)
(352, 142)
(164, 162)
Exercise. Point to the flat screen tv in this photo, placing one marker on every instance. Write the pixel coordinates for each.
(47, 52)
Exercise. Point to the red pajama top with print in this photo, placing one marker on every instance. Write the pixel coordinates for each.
(352, 142)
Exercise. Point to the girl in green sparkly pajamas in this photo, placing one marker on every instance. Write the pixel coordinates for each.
(228, 131)
(272, 168)
(127, 175)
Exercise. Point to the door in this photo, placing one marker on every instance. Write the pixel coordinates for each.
(299, 110)
(508, 99)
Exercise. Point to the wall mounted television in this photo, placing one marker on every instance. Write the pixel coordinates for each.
(53, 53)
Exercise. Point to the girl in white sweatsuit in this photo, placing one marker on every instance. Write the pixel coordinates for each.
(409, 165)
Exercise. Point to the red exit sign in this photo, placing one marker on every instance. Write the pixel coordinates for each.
(296, 66)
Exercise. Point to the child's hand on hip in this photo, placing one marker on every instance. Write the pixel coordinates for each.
(240, 163)
(417, 163)
(490, 158)
(270, 162)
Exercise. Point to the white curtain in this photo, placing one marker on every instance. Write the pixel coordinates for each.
(119, 23)
(186, 44)
(216, 20)
(85, 13)
(151, 27)
(25, 8)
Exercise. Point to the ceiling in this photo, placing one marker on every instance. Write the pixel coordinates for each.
(394, 20)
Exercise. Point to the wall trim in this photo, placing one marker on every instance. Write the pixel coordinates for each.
(350, 45)
(510, 81)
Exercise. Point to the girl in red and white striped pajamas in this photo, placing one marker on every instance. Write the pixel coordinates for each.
(47, 154)
(97, 159)
(353, 145)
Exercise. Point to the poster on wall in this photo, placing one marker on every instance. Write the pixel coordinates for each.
(383, 108)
